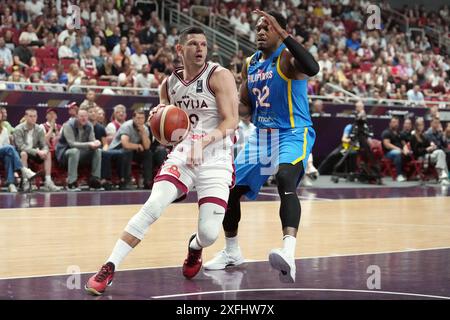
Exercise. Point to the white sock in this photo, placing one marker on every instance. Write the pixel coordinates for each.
(48, 179)
(120, 251)
(194, 244)
(231, 244)
(289, 243)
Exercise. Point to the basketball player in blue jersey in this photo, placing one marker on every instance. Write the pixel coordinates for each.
(275, 94)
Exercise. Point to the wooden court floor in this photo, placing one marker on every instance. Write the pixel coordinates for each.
(45, 241)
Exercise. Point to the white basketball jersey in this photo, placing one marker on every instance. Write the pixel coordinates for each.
(198, 100)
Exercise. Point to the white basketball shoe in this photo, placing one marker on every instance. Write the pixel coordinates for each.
(224, 259)
(281, 261)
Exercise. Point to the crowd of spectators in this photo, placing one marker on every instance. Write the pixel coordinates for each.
(384, 63)
(124, 44)
(84, 140)
(118, 44)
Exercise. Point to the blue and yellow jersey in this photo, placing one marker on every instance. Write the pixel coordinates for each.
(277, 102)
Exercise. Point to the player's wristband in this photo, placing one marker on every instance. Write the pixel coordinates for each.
(305, 61)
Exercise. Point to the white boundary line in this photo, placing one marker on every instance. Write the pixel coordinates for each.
(301, 289)
(246, 261)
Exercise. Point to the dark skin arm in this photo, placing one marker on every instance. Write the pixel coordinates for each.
(245, 108)
(290, 67)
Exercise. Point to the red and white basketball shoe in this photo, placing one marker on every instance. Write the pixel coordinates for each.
(193, 263)
(97, 284)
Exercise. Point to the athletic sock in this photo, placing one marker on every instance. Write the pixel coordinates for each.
(120, 251)
(231, 245)
(289, 243)
(195, 244)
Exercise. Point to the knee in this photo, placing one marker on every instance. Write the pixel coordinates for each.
(73, 152)
(9, 149)
(208, 234)
(285, 180)
(141, 221)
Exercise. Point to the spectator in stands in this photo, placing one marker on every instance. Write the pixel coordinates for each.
(405, 135)
(10, 159)
(29, 139)
(5, 54)
(98, 17)
(242, 27)
(173, 37)
(120, 52)
(5, 122)
(3, 73)
(34, 8)
(22, 54)
(113, 36)
(7, 19)
(428, 151)
(52, 77)
(436, 135)
(65, 51)
(99, 129)
(75, 75)
(86, 41)
(145, 79)
(138, 59)
(78, 145)
(16, 76)
(117, 119)
(52, 128)
(62, 18)
(111, 14)
(147, 34)
(438, 91)
(132, 139)
(415, 95)
(160, 62)
(101, 119)
(88, 64)
(96, 47)
(108, 71)
(21, 16)
(89, 101)
(67, 33)
(353, 43)
(78, 48)
(72, 108)
(393, 148)
(30, 35)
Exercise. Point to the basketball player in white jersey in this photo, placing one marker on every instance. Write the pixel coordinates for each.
(208, 93)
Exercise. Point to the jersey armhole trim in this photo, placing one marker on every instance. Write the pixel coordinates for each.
(282, 75)
(247, 61)
(209, 78)
(167, 88)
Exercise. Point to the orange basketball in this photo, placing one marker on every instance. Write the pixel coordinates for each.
(170, 125)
